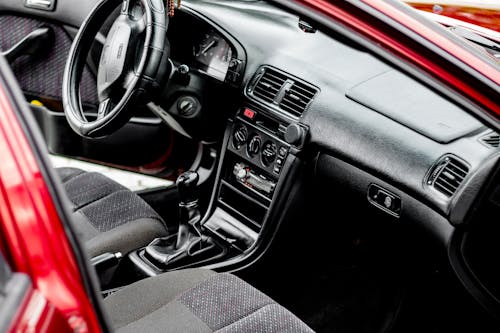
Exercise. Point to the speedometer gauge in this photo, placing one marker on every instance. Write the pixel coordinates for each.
(213, 55)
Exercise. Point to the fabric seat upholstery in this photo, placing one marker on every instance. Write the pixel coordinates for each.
(197, 300)
(108, 217)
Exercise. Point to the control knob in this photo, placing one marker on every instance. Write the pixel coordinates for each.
(269, 153)
(240, 136)
(294, 134)
(254, 146)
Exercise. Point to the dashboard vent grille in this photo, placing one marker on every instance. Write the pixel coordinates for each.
(281, 91)
(269, 85)
(297, 98)
(491, 140)
(448, 175)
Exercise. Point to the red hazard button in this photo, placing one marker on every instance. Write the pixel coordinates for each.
(249, 113)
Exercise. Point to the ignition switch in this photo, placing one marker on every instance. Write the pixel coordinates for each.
(188, 106)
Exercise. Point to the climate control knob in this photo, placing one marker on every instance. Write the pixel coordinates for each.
(269, 152)
(240, 136)
(254, 145)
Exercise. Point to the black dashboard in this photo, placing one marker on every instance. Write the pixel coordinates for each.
(400, 146)
(400, 135)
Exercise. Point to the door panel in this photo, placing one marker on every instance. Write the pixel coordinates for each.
(41, 77)
(144, 146)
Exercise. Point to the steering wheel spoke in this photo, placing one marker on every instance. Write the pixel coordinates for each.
(126, 8)
(104, 108)
(140, 25)
(133, 17)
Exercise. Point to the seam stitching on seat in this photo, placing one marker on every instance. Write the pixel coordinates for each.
(247, 315)
(198, 284)
(87, 221)
(156, 218)
(75, 177)
(216, 276)
(179, 301)
(71, 177)
(158, 309)
(96, 200)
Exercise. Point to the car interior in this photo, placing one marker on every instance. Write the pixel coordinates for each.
(315, 185)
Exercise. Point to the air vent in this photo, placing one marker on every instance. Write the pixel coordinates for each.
(491, 140)
(297, 98)
(281, 91)
(448, 175)
(269, 85)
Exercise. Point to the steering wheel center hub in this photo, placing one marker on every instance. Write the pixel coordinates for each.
(111, 65)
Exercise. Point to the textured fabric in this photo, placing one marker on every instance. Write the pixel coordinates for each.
(223, 299)
(116, 209)
(151, 294)
(107, 216)
(198, 300)
(88, 187)
(174, 318)
(271, 318)
(42, 77)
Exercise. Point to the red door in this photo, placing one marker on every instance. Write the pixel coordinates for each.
(46, 288)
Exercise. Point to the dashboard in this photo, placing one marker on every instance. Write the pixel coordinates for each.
(407, 152)
(398, 150)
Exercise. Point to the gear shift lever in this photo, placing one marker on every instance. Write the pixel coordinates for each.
(170, 251)
(189, 213)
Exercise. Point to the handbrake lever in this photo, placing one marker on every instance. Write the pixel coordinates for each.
(36, 43)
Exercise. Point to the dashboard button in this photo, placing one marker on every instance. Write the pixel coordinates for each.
(283, 151)
(250, 114)
(384, 199)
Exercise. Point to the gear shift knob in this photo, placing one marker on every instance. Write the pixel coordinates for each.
(187, 184)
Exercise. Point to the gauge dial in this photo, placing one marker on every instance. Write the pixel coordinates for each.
(213, 54)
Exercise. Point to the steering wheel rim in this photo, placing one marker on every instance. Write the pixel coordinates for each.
(119, 68)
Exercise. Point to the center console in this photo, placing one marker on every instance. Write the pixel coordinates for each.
(253, 186)
(255, 161)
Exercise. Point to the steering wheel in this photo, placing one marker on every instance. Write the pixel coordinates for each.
(133, 63)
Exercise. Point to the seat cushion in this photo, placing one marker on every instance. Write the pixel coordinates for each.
(108, 217)
(197, 300)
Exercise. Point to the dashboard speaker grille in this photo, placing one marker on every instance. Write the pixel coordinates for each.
(281, 91)
(448, 175)
(491, 140)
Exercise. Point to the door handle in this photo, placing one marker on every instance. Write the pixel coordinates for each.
(36, 43)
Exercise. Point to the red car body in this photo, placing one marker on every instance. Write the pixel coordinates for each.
(478, 13)
(34, 239)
